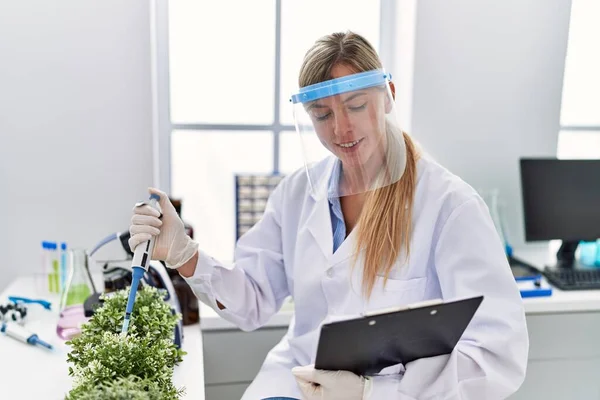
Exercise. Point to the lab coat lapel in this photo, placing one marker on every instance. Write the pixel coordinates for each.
(319, 225)
(346, 249)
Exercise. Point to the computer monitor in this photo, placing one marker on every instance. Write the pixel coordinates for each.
(561, 200)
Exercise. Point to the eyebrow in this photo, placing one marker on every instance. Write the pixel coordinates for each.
(354, 96)
(317, 105)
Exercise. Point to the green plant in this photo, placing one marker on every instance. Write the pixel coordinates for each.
(130, 388)
(107, 364)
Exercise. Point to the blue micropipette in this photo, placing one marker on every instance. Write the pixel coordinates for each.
(139, 265)
(18, 332)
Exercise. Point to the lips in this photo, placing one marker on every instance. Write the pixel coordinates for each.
(349, 145)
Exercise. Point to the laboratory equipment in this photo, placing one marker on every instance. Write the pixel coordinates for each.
(13, 312)
(54, 271)
(43, 276)
(63, 266)
(16, 299)
(49, 278)
(22, 334)
(587, 253)
(533, 286)
(142, 255)
(560, 201)
(251, 195)
(79, 284)
(78, 287)
(70, 321)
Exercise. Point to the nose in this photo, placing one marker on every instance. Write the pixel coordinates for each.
(342, 123)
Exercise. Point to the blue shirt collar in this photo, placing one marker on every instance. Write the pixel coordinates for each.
(334, 181)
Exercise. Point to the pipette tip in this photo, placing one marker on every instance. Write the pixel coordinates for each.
(44, 344)
(125, 326)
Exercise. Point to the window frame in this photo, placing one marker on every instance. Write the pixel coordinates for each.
(162, 127)
(566, 129)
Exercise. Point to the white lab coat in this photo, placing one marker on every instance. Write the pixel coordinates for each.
(455, 253)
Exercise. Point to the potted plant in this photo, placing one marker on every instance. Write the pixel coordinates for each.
(139, 365)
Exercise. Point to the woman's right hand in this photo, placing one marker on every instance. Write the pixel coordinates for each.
(172, 244)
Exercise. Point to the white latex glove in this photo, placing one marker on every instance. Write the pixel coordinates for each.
(317, 384)
(172, 244)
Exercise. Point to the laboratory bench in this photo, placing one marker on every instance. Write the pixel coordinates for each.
(564, 353)
(34, 373)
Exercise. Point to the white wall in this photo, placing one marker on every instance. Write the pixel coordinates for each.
(487, 88)
(75, 123)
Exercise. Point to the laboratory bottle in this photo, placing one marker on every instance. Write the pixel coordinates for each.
(587, 253)
(43, 272)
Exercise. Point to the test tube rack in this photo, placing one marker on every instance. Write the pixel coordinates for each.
(251, 195)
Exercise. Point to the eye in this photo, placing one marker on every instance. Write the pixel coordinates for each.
(322, 117)
(359, 107)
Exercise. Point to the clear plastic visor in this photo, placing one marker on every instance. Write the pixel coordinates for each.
(354, 118)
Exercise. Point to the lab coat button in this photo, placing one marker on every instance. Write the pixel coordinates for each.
(330, 272)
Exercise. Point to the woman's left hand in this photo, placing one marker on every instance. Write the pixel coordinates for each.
(331, 385)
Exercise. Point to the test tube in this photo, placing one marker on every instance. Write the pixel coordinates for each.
(54, 273)
(63, 266)
(41, 276)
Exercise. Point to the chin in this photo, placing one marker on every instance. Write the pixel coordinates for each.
(354, 160)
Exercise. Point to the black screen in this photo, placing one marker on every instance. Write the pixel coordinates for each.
(561, 199)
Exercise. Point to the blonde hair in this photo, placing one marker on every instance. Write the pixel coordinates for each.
(385, 224)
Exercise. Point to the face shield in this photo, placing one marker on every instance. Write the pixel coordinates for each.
(354, 117)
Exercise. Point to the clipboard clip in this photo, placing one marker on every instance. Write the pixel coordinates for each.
(420, 304)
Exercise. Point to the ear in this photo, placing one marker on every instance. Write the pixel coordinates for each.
(388, 101)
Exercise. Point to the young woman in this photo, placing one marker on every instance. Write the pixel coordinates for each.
(376, 224)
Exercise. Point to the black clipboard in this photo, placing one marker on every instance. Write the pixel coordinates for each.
(368, 344)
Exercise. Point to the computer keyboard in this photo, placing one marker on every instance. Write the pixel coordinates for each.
(573, 279)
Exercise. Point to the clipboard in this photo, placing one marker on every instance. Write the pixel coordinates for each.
(368, 344)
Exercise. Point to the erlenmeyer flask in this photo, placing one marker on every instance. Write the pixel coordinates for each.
(78, 287)
(76, 291)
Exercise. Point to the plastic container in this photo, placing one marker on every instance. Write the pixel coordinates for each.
(588, 253)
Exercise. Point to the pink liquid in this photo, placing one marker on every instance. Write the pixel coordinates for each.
(70, 321)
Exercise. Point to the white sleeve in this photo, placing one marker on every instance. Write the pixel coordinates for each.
(490, 360)
(255, 286)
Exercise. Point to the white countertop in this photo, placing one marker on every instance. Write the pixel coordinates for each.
(33, 373)
(210, 320)
(536, 254)
(560, 301)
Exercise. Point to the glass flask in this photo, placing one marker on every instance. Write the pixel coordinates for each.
(77, 289)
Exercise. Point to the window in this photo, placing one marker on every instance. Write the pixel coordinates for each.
(224, 79)
(580, 113)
